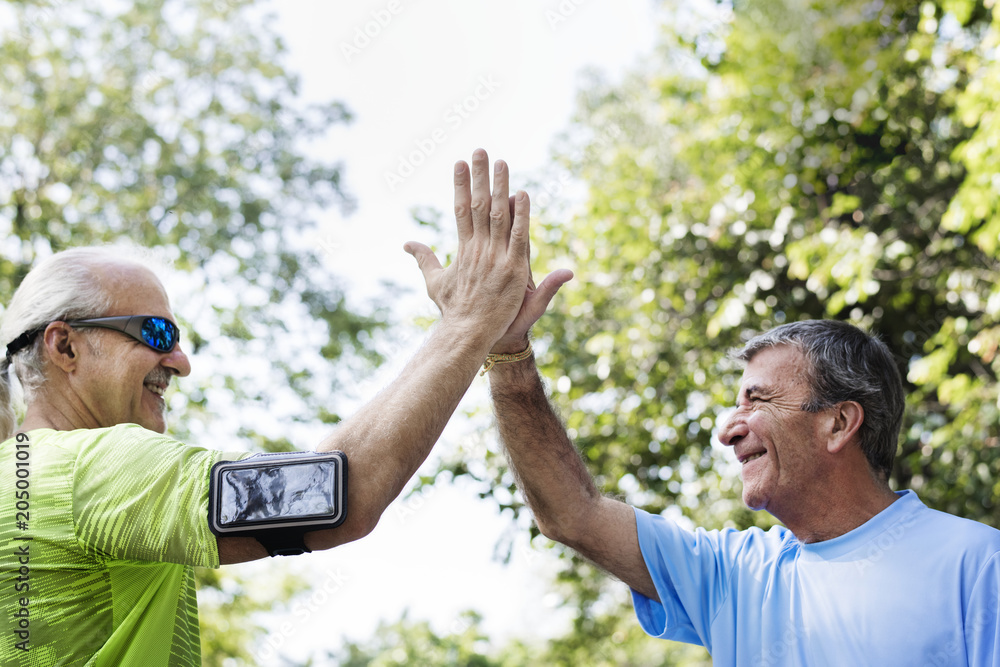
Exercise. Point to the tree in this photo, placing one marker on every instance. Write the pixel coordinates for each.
(408, 642)
(776, 161)
(172, 123)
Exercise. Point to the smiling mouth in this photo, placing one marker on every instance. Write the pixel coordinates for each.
(753, 457)
(156, 389)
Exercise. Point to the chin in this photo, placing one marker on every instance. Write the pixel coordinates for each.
(157, 425)
(754, 501)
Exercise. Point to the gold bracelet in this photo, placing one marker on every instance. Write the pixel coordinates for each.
(493, 359)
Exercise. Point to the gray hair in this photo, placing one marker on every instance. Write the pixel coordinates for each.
(847, 364)
(62, 287)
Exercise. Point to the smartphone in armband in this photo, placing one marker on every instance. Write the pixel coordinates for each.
(278, 498)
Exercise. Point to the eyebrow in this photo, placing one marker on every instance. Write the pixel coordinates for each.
(756, 389)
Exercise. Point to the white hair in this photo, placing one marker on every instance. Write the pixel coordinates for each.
(64, 286)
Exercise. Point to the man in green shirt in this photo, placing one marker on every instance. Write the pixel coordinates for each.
(102, 516)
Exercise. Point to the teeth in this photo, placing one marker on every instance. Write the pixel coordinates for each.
(153, 388)
(753, 457)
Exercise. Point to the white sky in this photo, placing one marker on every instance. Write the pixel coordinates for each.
(512, 68)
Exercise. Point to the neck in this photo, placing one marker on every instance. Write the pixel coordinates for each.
(43, 414)
(837, 511)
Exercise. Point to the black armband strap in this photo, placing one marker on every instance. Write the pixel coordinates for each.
(283, 542)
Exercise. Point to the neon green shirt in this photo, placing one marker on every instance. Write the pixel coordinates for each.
(97, 556)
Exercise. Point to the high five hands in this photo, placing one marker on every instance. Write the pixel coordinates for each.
(488, 288)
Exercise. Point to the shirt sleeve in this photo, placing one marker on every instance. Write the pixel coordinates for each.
(692, 572)
(140, 495)
(982, 618)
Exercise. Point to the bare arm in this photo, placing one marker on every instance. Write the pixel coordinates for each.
(557, 486)
(479, 295)
(547, 468)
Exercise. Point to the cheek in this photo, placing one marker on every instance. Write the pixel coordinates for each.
(759, 424)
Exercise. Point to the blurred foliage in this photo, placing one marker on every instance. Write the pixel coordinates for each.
(774, 161)
(172, 124)
(407, 642)
(231, 610)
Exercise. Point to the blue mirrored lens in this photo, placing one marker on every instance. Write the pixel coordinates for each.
(159, 334)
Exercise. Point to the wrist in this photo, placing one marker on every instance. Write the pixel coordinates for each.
(470, 329)
(466, 342)
(514, 377)
(511, 345)
(494, 358)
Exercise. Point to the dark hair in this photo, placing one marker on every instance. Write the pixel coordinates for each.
(846, 364)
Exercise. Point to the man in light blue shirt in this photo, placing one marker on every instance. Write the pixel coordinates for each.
(858, 574)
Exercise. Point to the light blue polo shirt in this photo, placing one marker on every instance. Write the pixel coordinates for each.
(911, 587)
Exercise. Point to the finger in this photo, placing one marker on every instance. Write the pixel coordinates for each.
(534, 306)
(427, 261)
(480, 192)
(537, 302)
(519, 229)
(552, 282)
(500, 208)
(463, 202)
(531, 277)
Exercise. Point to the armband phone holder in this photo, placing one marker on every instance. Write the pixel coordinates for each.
(278, 498)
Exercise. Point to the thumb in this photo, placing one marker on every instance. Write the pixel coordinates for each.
(539, 300)
(426, 259)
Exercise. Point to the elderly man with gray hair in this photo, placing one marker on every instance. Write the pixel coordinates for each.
(858, 575)
(103, 516)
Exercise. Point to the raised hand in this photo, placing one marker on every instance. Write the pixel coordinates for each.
(484, 288)
(533, 305)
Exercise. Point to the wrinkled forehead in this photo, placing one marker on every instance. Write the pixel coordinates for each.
(777, 369)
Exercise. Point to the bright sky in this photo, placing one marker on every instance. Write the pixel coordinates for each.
(429, 81)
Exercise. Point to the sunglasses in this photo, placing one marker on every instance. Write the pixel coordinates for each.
(158, 333)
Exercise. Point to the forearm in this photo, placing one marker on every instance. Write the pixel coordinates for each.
(481, 294)
(388, 439)
(546, 466)
(555, 482)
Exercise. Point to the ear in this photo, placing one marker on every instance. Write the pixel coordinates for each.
(847, 418)
(62, 345)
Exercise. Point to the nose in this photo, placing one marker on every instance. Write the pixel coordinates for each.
(734, 428)
(177, 362)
